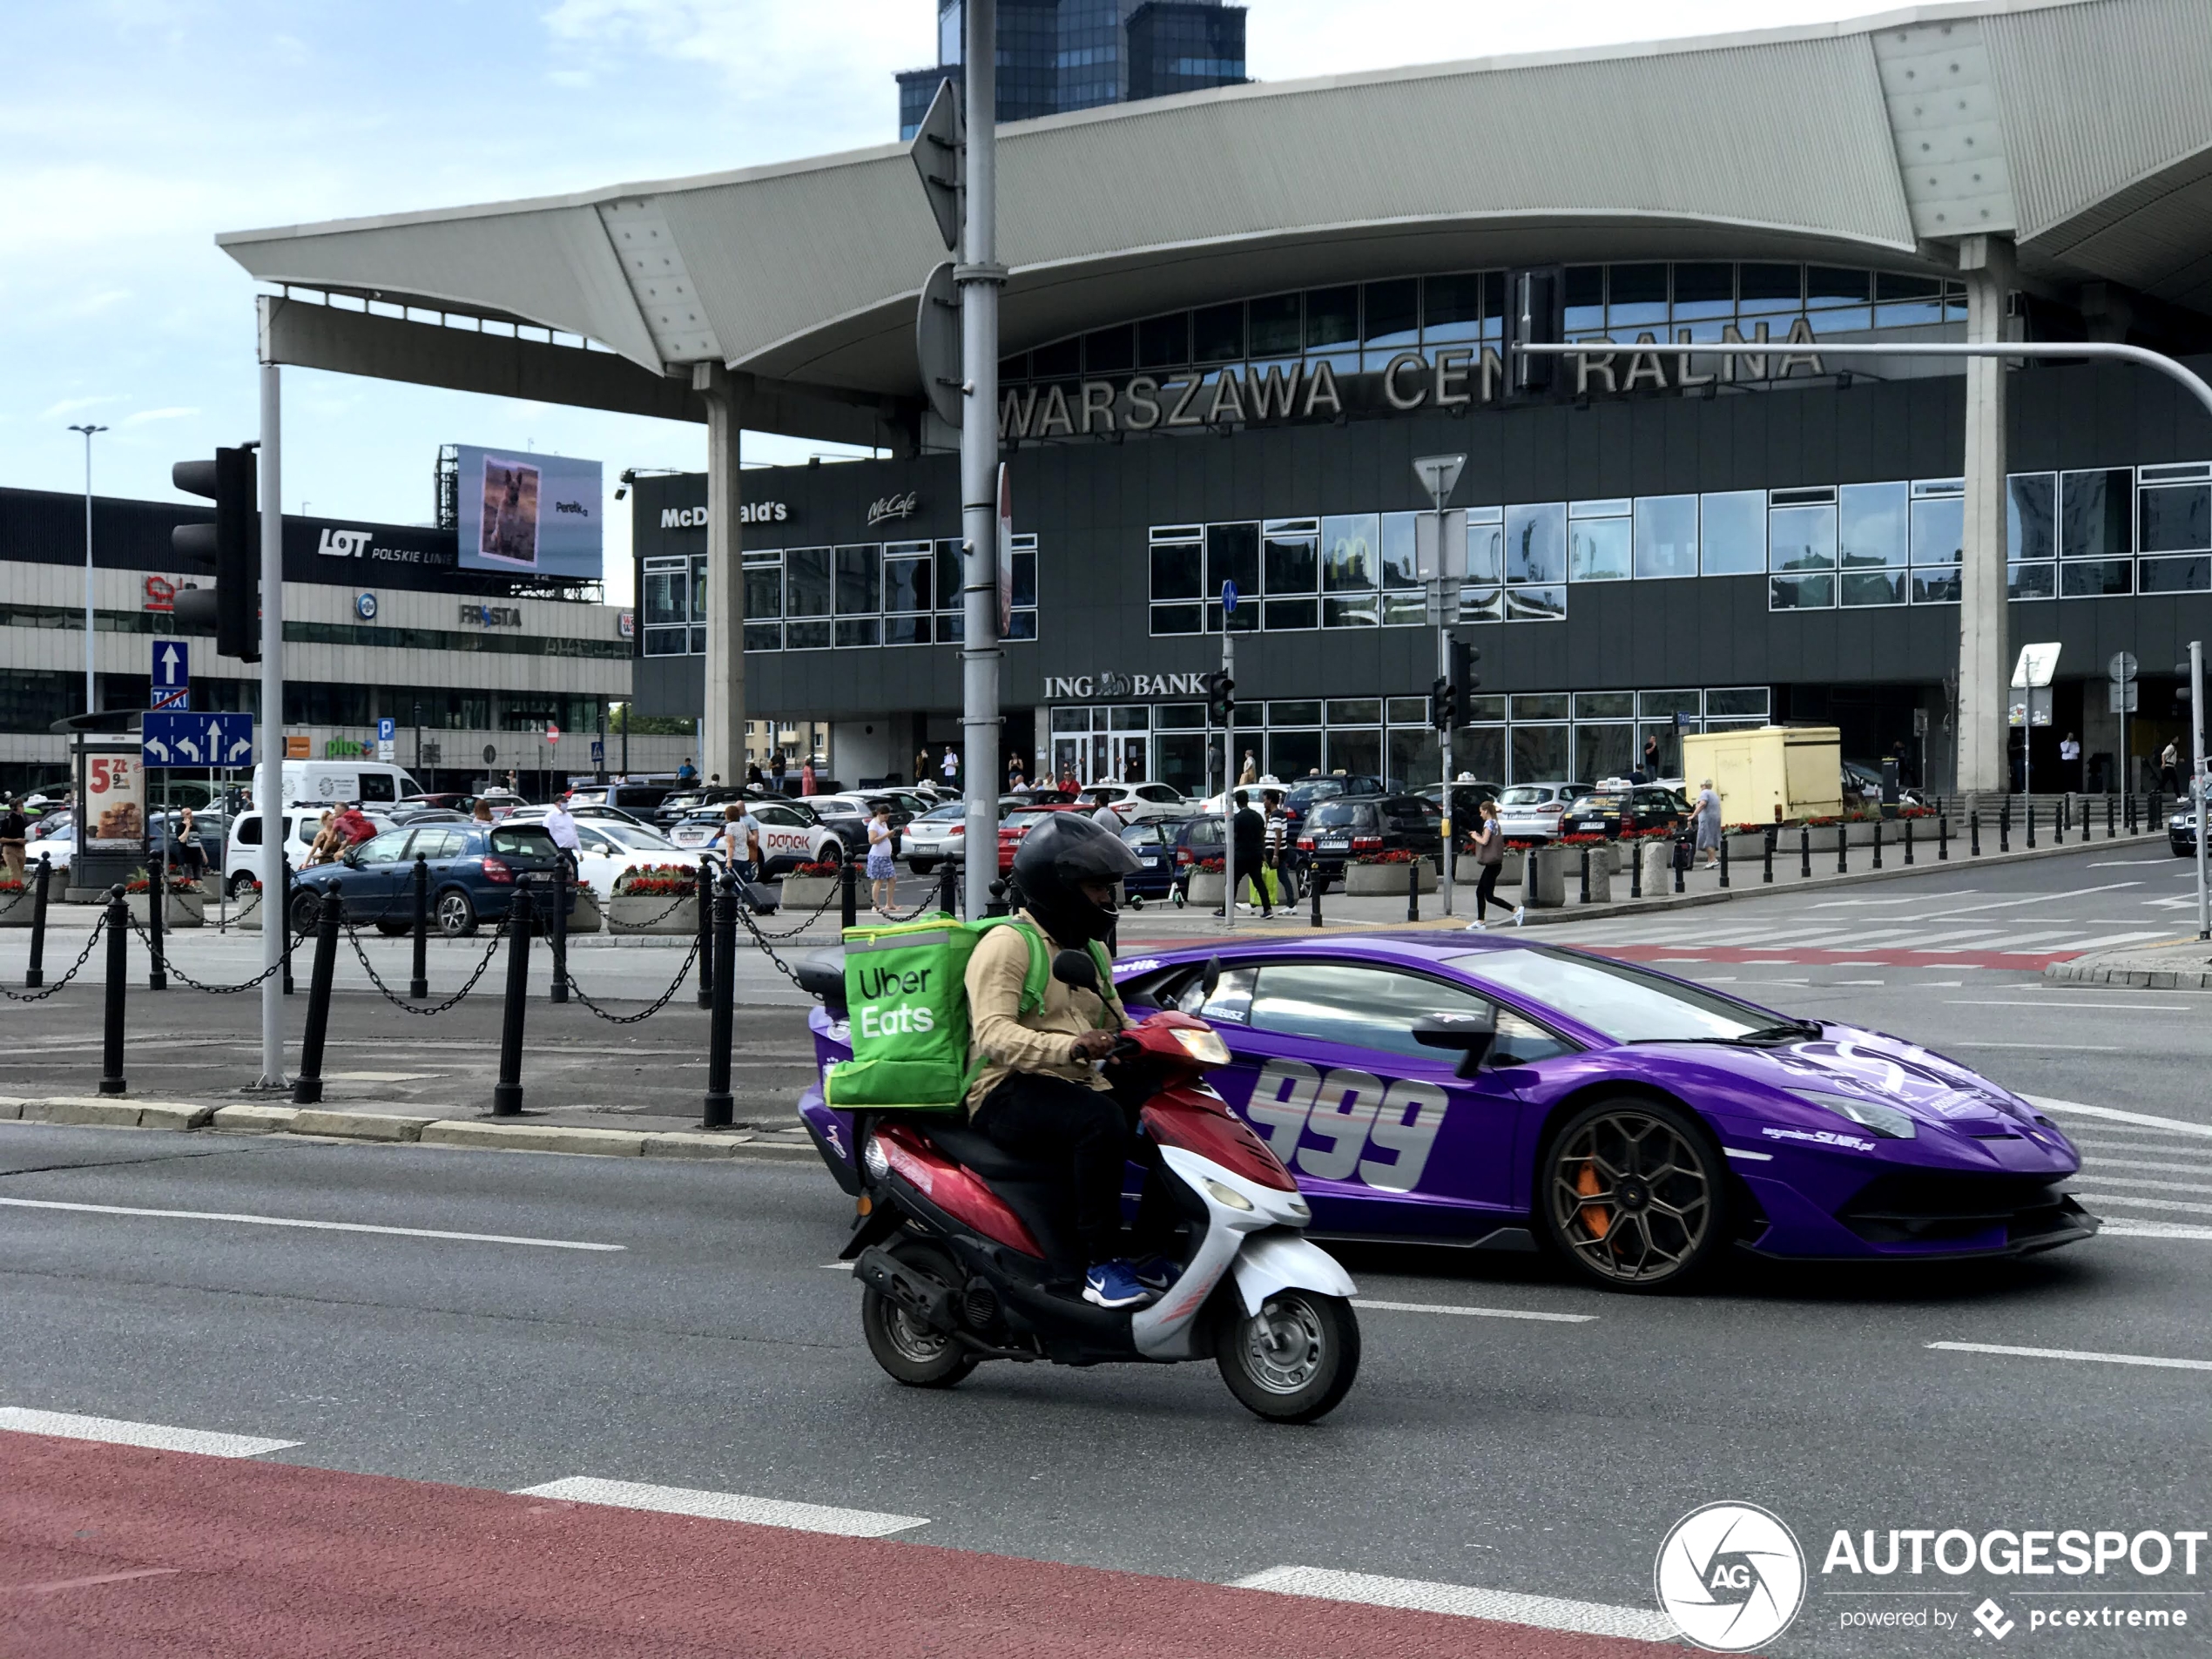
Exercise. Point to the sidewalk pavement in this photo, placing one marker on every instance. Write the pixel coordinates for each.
(2164, 965)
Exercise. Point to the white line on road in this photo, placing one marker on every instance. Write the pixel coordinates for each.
(2122, 864)
(2103, 1164)
(2145, 1203)
(1542, 1612)
(726, 1506)
(2074, 1354)
(2044, 1003)
(1477, 1314)
(2045, 1103)
(2033, 898)
(2127, 1227)
(2147, 1186)
(2069, 1048)
(72, 1425)
(288, 1221)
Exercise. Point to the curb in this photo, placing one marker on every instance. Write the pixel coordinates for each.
(2088, 971)
(384, 1128)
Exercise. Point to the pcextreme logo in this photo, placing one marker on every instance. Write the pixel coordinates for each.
(1732, 1577)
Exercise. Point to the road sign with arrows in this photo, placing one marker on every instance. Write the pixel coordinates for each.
(216, 741)
(172, 674)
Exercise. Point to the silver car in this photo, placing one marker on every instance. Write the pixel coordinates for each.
(1140, 803)
(1532, 811)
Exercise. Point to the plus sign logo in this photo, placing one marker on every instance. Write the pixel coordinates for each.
(1732, 1577)
(1991, 1618)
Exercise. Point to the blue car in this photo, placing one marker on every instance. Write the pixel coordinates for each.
(472, 867)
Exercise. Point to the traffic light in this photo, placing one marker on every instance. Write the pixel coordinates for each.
(1443, 704)
(228, 550)
(1466, 672)
(1221, 696)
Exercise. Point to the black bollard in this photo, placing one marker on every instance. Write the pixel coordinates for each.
(1908, 843)
(1635, 867)
(718, 1112)
(157, 912)
(2005, 826)
(2031, 822)
(1676, 859)
(848, 906)
(1586, 875)
(1805, 852)
(2110, 818)
(948, 889)
(35, 975)
(1766, 858)
(705, 893)
(418, 985)
(2151, 812)
(557, 926)
(1723, 858)
(1843, 846)
(2085, 823)
(2127, 809)
(1413, 891)
(283, 912)
(1313, 885)
(307, 1087)
(507, 1093)
(1877, 843)
(1943, 837)
(118, 974)
(1973, 832)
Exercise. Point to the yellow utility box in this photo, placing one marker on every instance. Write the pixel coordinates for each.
(1769, 773)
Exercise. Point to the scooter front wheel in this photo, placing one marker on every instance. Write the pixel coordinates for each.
(913, 1352)
(1294, 1360)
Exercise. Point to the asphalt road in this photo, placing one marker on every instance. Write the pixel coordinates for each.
(716, 1351)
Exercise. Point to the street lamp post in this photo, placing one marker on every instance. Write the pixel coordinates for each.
(91, 695)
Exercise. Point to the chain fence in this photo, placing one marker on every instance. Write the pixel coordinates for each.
(812, 916)
(659, 1002)
(168, 963)
(401, 1002)
(18, 895)
(82, 956)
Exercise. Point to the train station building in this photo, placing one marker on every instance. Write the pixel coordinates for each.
(1234, 317)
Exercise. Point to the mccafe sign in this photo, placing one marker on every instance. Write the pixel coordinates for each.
(1442, 377)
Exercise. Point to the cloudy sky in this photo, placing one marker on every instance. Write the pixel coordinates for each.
(150, 125)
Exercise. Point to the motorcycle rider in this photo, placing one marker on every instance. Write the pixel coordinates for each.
(1036, 1094)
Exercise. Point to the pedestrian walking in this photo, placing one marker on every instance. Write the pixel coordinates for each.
(2070, 761)
(15, 834)
(188, 847)
(1250, 774)
(1248, 840)
(560, 824)
(807, 776)
(1707, 818)
(2169, 768)
(1650, 759)
(951, 769)
(779, 769)
(738, 841)
(1281, 855)
(883, 874)
(1489, 843)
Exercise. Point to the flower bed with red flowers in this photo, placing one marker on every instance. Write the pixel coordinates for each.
(821, 868)
(1395, 855)
(657, 881)
(141, 882)
(1212, 867)
(1582, 838)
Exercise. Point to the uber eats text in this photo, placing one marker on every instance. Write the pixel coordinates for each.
(900, 1018)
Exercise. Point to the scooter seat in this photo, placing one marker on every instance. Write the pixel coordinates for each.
(976, 1151)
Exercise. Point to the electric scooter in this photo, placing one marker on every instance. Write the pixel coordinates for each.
(961, 1251)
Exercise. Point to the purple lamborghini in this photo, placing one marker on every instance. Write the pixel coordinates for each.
(1501, 1094)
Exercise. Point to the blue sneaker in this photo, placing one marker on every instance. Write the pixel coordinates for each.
(1113, 1285)
(1158, 1273)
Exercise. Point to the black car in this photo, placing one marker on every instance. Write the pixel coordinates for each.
(1648, 807)
(1299, 798)
(1466, 805)
(1353, 826)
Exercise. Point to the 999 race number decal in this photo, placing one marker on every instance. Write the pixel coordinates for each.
(1320, 1121)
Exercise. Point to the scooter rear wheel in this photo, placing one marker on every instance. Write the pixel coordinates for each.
(1294, 1360)
(904, 1345)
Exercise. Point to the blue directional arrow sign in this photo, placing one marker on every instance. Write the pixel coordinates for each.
(172, 673)
(174, 738)
(1229, 598)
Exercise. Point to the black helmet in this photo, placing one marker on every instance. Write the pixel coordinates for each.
(1054, 858)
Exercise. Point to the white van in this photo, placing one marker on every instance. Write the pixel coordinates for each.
(333, 783)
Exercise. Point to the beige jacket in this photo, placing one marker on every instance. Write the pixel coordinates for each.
(1006, 1041)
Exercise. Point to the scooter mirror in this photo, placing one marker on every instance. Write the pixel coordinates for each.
(1075, 967)
(1212, 976)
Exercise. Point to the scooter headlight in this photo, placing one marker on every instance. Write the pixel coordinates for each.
(878, 1160)
(1228, 1196)
(1205, 1047)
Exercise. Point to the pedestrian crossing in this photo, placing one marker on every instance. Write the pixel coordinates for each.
(1934, 942)
(2146, 1180)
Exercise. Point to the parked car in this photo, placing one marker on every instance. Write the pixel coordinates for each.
(848, 815)
(638, 800)
(1015, 825)
(2181, 835)
(606, 848)
(585, 812)
(678, 804)
(241, 862)
(213, 829)
(474, 869)
(1302, 795)
(1138, 803)
(1156, 842)
(941, 833)
(1646, 808)
(1467, 804)
(790, 835)
(1532, 811)
(410, 807)
(1350, 827)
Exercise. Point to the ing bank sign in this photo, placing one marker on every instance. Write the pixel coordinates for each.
(1442, 377)
(1110, 685)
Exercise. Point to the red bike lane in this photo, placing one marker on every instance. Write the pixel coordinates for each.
(116, 1552)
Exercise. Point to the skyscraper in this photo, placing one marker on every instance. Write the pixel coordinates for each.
(1056, 55)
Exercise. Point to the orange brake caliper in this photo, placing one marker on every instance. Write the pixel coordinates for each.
(1596, 1217)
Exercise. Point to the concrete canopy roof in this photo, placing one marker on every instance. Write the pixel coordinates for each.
(2080, 127)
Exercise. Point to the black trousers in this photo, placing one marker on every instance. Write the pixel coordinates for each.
(1086, 1133)
(1485, 888)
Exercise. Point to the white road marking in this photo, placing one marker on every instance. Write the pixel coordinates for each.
(2074, 1354)
(2104, 941)
(2046, 1003)
(2145, 1203)
(71, 1426)
(1847, 981)
(2069, 1048)
(2033, 898)
(288, 1221)
(1917, 897)
(2045, 1103)
(2122, 864)
(2097, 1142)
(726, 1506)
(1476, 1313)
(2102, 1163)
(2148, 1186)
(2128, 1227)
(839, 1267)
(1509, 1607)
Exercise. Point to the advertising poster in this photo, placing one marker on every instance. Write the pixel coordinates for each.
(115, 814)
(534, 514)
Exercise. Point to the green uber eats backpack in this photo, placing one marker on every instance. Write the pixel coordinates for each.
(906, 997)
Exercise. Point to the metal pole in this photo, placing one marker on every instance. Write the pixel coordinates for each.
(307, 1087)
(980, 277)
(717, 1108)
(112, 1081)
(507, 1093)
(1228, 787)
(1444, 667)
(91, 693)
(2197, 785)
(558, 926)
(157, 912)
(275, 924)
(418, 985)
(35, 975)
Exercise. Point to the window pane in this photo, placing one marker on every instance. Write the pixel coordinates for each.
(1704, 290)
(1873, 587)
(1598, 550)
(1361, 1007)
(1398, 567)
(1060, 361)
(1939, 530)
(1022, 625)
(1275, 326)
(764, 636)
(1536, 605)
(1176, 619)
(2177, 575)
(1349, 561)
(699, 588)
(2030, 516)
(1540, 706)
(668, 642)
(1486, 553)
(1666, 535)
(1025, 578)
(1331, 318)
(1604, 752)
(1801, 538)
(859, 630)
(1110, 351)
(1585, 299)
(2095, 514)
(1294, 560)
(1605, 706)
(1480, 752)
(806, 636)
(1936, 587)
(2022, 581)
(668, 594)
(1176, 571)
(1355, 711)
(1769, 290)
(1732, 533)
(1293, 755)
(1536, 542)
(2097, 579)
(1801, 593)
(2178, 520)
(1163, 342)
(1352, 751)
(1636, 296)
(1416, 757)
(1826, 285)
(764, 591)
(1452, 306)
(906, 585)
(1482, 604)
(1871, 527)
(1393, 313)
(1292, 613)
(1539, 754)
(807, 583)
(906, 630)
(1232, 555)
(1218, 333)
(858, 585)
